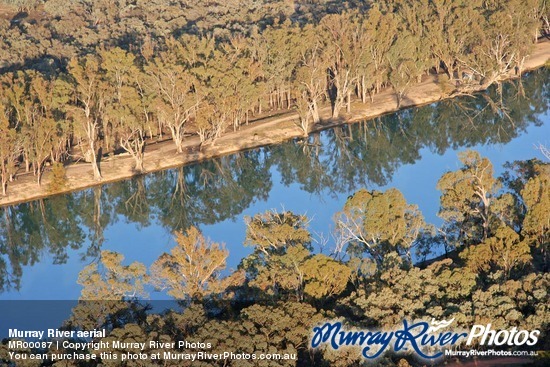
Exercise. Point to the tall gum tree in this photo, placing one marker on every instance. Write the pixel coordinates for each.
(536, 224)
(88, 107)
(125, 108)
(449, 31)
(191, 270)
(501, 39)
(378, 223)
(281, 245)
(310, 78)
(50, 129)
(10, 149)
(382, 28)
(107, 285)
(277, 51)
(344, 48)
(467, 196)
(402, 59)
(172, 84)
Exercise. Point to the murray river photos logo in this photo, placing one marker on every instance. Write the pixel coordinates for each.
(427, 340)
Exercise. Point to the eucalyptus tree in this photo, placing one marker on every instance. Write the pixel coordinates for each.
(277, 51)
(449, 31)
(258, 328)
(236, 80)
(33, 111)
(88, 107)
(377, 223)
(536, 224)
(516, 302)
(191, 270)
(282, 265)
(110, 279)
(504, 251)
(106, 286)
(198, 55)
(281, 245)
(46, 122)
(38, 132)
(310, 78)
(402, 61)
(344, 48)
(14, 91)
(520, 20)
(325, 277)
(125, 109)
(413, 19)
(10, 149)
(174, 88)
(442, 290)
(501, 40)
(382, 27)
(467, 198)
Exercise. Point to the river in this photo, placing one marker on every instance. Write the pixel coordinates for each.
(44, 244)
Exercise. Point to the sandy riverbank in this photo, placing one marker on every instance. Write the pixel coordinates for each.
(267, 131)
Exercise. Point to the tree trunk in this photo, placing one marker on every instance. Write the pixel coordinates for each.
(338, 104)
(95, 166)
(449, 69)
(27, 163)
(315, 112)
(139, 163)
(177, 137)
(39, 172)
(4, 181)
(363, 90)
(289, 99)
(179, 146)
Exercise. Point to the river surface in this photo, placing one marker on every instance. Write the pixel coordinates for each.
(44, 244)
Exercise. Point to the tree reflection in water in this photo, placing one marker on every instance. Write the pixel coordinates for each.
(339, 160)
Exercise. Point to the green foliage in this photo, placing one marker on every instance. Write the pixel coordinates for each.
(282, 263)
(466, 199)
(504, 305)
(110, 280)
(325, 277)
(138, 70)
(536, 196)
(504, 251)
(378, 223)
(24, 362)
(496, 280)
(107, 287)
(191, 269)
(9, 149)
(58, 178)
(274, 232)
(438, 291)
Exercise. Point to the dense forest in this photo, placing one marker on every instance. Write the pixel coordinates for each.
(82, 79)
(495, 270)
